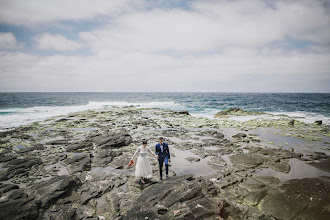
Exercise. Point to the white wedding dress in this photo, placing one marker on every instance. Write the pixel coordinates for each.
(143, 168)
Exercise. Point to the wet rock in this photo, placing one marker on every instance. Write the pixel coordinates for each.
(84, 145)
(281, 167)
(178, 198)
(267, 180)
(6, 158)
(63, 142)
(291, 122)
(29, 149)
(121, 161)
(19, 167)
(19, 208)
(4, 134)
(323, 165)
(96, 186)
(183, 113)
(104, 157)
(251, 186)
(299, 199)
(239, 135)
(25, 163)
(60, 211)
(246, 160)
(113, 140)
(217, 162)
(4, 187)
(192, 159)
(319, 122)
(236, 112)
(212, 133)
(256, 196)
(78, 163)
(56, 188)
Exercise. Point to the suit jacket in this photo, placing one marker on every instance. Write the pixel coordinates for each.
(166, 150)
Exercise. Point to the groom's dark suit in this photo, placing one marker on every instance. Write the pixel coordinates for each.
(163, 153)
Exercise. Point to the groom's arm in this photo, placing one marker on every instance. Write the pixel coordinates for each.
(156, 150)
(169, 155)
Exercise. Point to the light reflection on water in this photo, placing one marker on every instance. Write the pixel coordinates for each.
(299, 170)
(181, 166)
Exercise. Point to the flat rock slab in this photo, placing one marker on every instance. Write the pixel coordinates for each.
(323, 165)
(113, 140)
(307, 198)
(192, 159)
(50, 191)
(178, 198)
(246, 160)
(281, 167)
(239, 135)
(267, 180)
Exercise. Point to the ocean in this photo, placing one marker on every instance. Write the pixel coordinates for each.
(23, 108)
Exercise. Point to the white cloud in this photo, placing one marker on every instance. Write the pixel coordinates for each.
(7, 41)
(213, 26)
(265, 71)
(55, 42)
(32, 13)
(213, 46)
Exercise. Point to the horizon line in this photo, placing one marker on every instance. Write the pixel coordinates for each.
(151, 92)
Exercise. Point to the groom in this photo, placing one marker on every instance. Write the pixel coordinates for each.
(163, 155)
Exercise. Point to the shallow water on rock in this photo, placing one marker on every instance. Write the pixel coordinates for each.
(19, 147)
(181, 166)
(226, 159)
(272, 137)
(299, 170)
(211, 148)
(34, 135)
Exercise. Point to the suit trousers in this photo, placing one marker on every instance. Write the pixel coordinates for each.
(161, 161)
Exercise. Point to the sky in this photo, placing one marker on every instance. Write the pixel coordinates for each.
(165, 46)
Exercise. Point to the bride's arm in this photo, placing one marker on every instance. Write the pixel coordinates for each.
(151, 152)
(137, 150)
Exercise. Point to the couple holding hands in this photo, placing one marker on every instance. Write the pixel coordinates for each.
(143, 168)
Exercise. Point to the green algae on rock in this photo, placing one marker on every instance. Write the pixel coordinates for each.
(236, 112)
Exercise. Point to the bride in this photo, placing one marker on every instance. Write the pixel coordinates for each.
(143, 168)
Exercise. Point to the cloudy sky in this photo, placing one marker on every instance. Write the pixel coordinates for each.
(165, 45)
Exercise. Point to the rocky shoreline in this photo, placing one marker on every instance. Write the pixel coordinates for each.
(75, 167)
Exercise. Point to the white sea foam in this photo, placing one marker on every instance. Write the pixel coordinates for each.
(21, 116)
(307, 117)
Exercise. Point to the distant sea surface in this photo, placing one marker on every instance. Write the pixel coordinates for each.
(23, 108)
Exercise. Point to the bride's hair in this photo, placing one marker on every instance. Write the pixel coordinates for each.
(144, 142)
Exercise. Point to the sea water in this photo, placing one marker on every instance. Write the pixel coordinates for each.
(23, 108)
